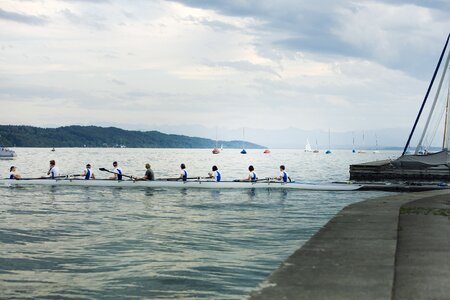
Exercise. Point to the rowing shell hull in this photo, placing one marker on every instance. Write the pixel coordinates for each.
(180, 184)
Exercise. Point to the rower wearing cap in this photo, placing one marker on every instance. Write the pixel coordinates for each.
(283, 175)
(13, 173)
(117, 172)
(252, 175)
(54, 170)
(215, 174)
(184, 173)
(88, 174)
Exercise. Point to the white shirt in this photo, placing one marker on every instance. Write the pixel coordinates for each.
(184, 173)
(54, 172)
(90, 175)
(282, 175)
(118, 171)
(252, 176)
(215, 174)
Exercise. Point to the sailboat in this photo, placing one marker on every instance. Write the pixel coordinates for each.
(363, 145)
(316, 150)
(329, 143)
(216, 150)
(425, 164)
(308, 146)
(376, 145)
(353, 148)
(243, 139)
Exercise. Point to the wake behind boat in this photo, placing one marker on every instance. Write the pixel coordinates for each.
(200, 184)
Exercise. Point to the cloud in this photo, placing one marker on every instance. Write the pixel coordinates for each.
(22, 18)
(244, 66)
(378, 31)
(339, 64)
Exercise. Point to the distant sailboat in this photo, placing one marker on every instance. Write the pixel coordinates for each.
(316, 150)
(267, 151)
(329, 143)
(376, 145)
(363, 144)
(308, 146)
(243, 139)
(353, 148)
(216, 150)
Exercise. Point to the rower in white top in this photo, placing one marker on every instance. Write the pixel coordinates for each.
(88, 174)
(13, 174)
(252, 175)
(184, 173)
(117, 172)
(54, 170)
(215, 174)
(284, 176)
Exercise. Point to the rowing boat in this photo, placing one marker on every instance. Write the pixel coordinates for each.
(201, 184)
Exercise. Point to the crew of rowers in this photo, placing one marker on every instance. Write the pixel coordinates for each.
(117, 172)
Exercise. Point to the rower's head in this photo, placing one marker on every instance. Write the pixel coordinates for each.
(250, 168)
(88, 166)
(183, 166)
(52, 162)
(115, 164)
(282, 168)
(214, 168)
(147, 166)
(12, 169)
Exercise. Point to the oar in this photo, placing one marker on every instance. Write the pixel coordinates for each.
(179, 178)
(257, 180)
(106, 170)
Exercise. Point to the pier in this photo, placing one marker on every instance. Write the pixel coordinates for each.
(394, 247)
(384, 170)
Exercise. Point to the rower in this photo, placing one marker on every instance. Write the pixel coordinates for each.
(54, 170)
(283, 175)
(215, 174)
(252, 175)
(117, 172)
(88, 174)
(13, 173)
(149, 175)
(184, 173)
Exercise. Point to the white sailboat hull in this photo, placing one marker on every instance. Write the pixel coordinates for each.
(199, 184)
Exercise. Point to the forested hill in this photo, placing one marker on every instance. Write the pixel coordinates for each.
(94, 136)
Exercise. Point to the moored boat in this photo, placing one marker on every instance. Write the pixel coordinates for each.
(6, 153)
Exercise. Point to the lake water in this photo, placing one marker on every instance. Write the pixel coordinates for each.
(112, 243)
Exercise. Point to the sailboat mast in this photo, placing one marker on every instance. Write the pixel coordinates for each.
(447, 120)
(426, 96)
(438, 92)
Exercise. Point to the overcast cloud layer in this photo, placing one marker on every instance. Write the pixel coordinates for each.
(345, 65)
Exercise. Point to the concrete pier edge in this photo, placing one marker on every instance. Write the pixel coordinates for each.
(374, 249)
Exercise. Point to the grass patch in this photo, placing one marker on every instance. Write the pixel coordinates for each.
(425, 211)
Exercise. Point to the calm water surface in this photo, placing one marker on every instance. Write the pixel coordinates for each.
(106, 243)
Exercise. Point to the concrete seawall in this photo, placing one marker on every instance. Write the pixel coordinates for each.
(395, 247)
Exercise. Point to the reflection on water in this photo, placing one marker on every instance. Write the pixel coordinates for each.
(58, 242)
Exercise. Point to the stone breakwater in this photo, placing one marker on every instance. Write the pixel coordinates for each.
(395, 247)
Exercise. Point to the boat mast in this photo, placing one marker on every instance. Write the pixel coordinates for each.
(426, 97)
(438, 92)
(447, 120)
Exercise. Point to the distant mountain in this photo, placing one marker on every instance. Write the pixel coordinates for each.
(295, 138)
(94, 136)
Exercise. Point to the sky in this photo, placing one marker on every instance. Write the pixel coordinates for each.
(312, 65)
